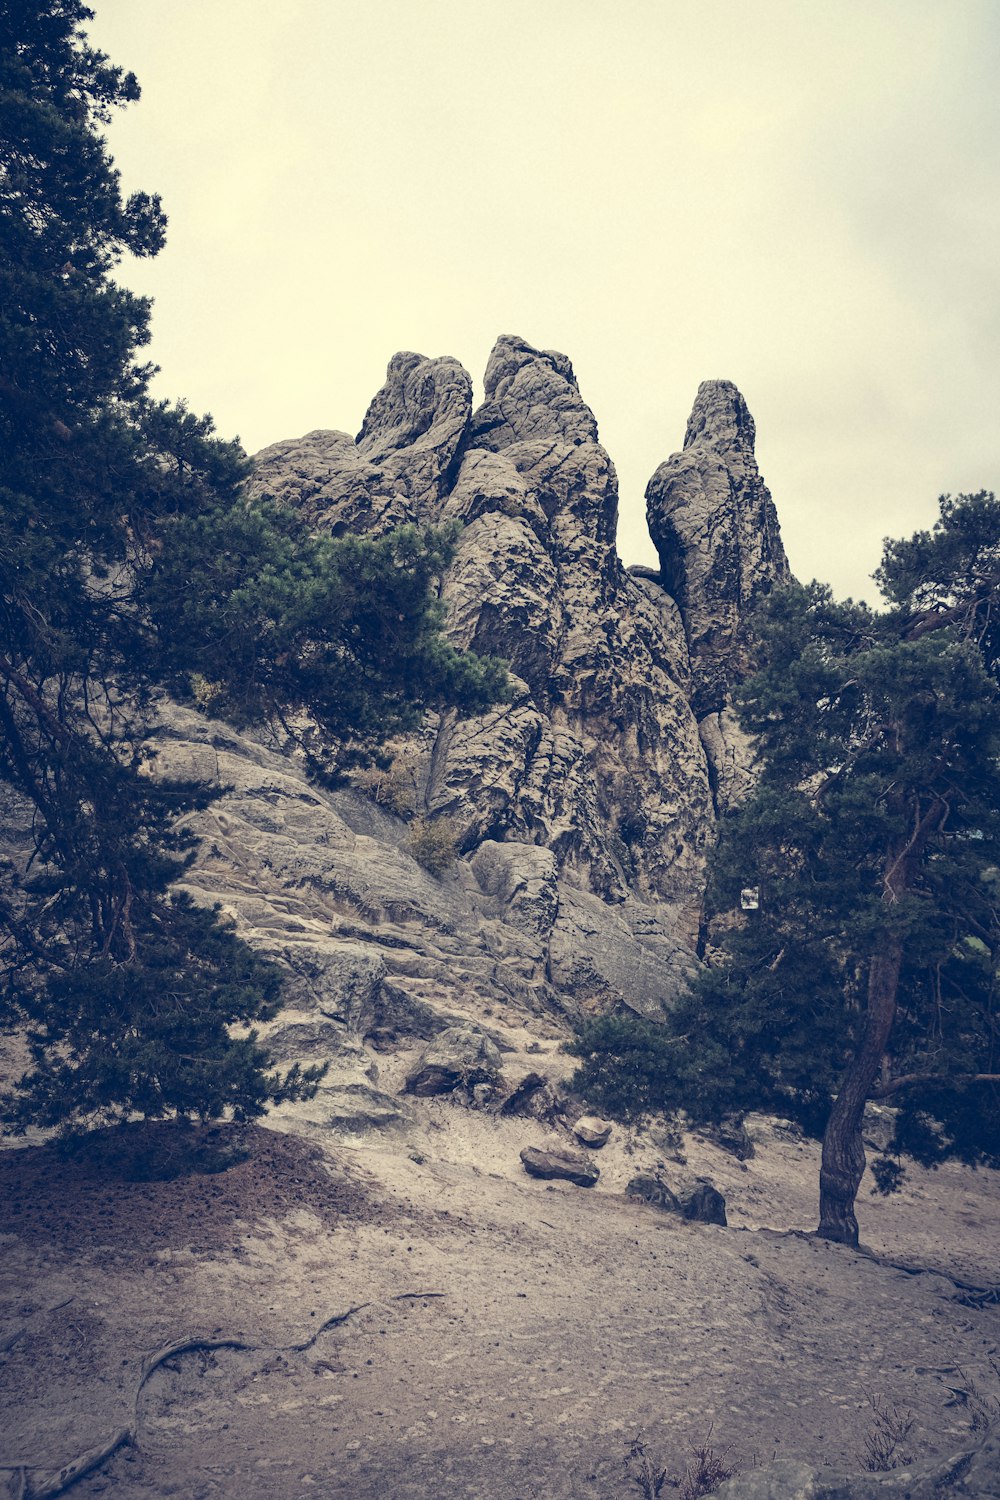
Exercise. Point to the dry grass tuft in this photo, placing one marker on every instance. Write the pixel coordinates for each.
(707, 1469)
(887, 1433)
(643, 1475)
(433, 845)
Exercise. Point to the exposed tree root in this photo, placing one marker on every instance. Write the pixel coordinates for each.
(967, 1292)
(32, 1482)
(42, 1483)
(16, 1489)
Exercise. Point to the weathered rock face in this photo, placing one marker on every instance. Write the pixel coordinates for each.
(598, 758)
(397, 464)
(584, 808)
(715, 528)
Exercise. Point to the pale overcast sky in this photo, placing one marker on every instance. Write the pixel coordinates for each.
(800, 197)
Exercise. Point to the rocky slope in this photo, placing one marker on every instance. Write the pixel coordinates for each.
(582, 810)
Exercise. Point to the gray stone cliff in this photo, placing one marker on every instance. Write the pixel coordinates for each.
(582, 810)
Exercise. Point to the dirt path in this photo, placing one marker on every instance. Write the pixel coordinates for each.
(510, 1336)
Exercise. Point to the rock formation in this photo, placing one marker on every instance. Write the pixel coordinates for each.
(715, 528)
(582, 810)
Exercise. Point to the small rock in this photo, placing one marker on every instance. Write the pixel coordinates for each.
(542, 1163)
(592, 1131)
(521, 1097)
(703, 1203)
(763, 1129)
(731, 1135)
(652, 1189)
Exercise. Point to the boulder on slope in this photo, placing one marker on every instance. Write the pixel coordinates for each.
(559, 1164)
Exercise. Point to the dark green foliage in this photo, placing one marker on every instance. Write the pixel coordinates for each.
(270, 617)
(630, 1066)
(874, 829)
(150, 1037)
(949, 574)
(129, 561)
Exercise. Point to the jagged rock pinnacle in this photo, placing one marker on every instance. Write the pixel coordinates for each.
(530, 393)
(714, 525)
(721, 418)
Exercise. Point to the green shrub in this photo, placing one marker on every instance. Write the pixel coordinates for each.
(629, 1066)
(393, 786)
(433, 845)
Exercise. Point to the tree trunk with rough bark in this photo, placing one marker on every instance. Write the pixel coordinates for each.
(843, 1162)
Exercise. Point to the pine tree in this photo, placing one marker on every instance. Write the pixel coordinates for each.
(130, 562)
(872, 846)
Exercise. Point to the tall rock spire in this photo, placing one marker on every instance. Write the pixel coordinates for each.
(714, 525)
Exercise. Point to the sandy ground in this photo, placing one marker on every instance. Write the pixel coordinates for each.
(446, 1326)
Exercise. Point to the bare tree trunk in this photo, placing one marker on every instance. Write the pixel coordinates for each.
(843, 1161)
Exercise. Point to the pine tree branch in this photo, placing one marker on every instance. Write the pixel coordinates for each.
(924, 826)
(34, 700)
(868, 743)
(909, 1080)
(933, 619)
